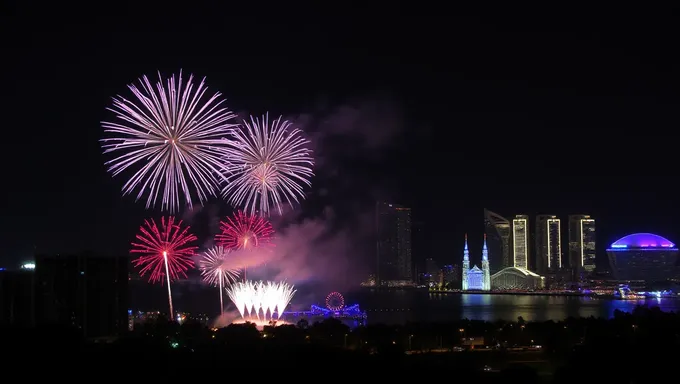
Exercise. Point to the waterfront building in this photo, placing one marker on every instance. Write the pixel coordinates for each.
(643, 257)
(476, 279)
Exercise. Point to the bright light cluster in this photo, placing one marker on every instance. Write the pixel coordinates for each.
(259, 300)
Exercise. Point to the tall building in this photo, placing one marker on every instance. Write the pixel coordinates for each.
(393, 224)
(431, 270)
(87, 292)
(548, 244)
(582, 245)
(466, 265)
(486, 284)
(520, 241)
(499, 233)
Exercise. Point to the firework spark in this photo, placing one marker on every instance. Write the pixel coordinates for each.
(260, 300)
(165, 252)
(243, 231)
(269, 165)
(216, 270)
(173, 138)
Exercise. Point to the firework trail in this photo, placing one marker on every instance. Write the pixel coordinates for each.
(242, 231)
(165, 252)
(255, 298)
(268, 165)
(216, 271)
(172, 137)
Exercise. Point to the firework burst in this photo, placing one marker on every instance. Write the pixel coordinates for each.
(216, 271)
(165, 251)
(269, 164)
(261, 300)
(244, 231)
(173, 140)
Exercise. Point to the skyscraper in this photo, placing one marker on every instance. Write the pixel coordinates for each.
(499, 231)
(548, 244)
(520, 241)
(581, 244)
(393, 226)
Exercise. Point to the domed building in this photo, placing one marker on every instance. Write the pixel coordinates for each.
(644, 257)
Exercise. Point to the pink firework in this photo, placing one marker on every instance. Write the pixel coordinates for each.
(243, 231)
(156, 245)
(165, 252)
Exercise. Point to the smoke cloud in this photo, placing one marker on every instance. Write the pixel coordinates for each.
(309, 251)
(332, 248)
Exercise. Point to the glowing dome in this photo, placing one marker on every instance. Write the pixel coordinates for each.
(643, 240)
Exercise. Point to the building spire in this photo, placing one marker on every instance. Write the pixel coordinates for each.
(486, 282)
(485, 250)
(466, 252)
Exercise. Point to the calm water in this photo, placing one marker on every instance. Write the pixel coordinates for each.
(403, 306)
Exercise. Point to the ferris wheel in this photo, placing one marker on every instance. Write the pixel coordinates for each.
(335, 302)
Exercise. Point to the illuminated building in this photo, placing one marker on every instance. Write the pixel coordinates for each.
(582, 245)
(475, 279)
(500, 235)
(520, 241)
(486, 285)
(466, 265)
(643, 256)
(393, 226)
(548, 244)
(516, 279)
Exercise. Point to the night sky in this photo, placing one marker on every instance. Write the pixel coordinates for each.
(447, 110)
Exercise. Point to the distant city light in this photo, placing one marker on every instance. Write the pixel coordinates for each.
(28, 266)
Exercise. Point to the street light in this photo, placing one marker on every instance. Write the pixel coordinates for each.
(409, 342)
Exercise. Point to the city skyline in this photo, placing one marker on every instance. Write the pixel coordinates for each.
(386, 114)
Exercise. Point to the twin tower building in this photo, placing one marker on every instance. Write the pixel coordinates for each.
(475, 279)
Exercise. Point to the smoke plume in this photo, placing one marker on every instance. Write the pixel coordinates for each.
(328, 241)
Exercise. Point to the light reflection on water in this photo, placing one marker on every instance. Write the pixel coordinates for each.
(404, 306)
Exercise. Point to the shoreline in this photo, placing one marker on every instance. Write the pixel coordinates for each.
(577, 294)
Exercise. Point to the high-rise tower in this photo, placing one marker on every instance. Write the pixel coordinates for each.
(581, 245)
(393, 227)
(520, 241)
(486, 284)
(500, 238)
(466, 265)
(548, 244)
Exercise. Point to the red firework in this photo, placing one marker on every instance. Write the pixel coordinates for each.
(243, 231)
(169, 242)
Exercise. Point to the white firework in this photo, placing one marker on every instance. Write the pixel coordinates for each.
(216, 268)
(172, 138)
(261, 300)
(270, 163)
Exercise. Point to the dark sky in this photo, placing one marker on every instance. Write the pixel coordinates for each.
(517, 110)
